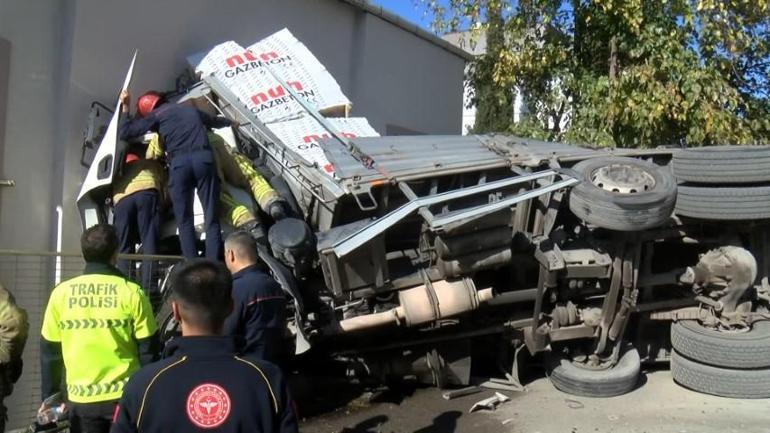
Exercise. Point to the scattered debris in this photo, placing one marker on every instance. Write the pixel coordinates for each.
(449, 395)
(508, 421)
(499, 384)
(490, 403)
(574, 404)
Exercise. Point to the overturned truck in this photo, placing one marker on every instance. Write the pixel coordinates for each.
(589, 255)
(417, 251)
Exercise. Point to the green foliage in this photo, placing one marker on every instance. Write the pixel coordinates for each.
(494, 103)
(626, 73)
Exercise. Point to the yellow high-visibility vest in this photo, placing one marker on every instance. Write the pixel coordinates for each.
(98, 319)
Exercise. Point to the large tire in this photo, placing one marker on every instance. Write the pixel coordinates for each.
(749, 349)
(639, 210)
(617, 380)
(723, 204)
(164, 316)
(168, 328)
(723, 164)
(723, 382)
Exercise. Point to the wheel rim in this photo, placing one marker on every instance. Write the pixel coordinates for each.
(168, 328)
(583, 365)
(623, 179)
(725, 330)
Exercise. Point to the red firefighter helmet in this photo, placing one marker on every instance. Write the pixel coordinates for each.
(147, 102)
(131, 157)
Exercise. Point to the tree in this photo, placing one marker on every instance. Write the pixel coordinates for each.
(494, 103)
(625, 73)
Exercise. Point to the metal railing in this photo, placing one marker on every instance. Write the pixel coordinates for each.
(30, 276)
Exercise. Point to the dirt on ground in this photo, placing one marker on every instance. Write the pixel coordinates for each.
(658, 405)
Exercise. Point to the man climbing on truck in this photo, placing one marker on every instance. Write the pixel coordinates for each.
(191, 162)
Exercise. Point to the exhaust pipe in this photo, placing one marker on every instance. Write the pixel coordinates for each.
(425, 303)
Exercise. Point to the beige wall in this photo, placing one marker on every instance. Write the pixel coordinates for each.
(64, 54)
(392, 76)
(32, 28)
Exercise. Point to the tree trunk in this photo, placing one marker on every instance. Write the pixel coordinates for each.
(614, 129)
(613, 59)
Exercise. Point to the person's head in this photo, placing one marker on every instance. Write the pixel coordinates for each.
(147, 102)
(99, 244)
(240, 251)
(202, 296)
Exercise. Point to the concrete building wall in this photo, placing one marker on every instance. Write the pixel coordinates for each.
(77, 51)
(59, 56)
(25, 210)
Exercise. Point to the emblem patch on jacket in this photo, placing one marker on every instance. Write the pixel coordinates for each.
(208, 405)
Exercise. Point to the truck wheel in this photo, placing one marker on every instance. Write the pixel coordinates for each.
(164, 317)
(624, 194)
(723, 204)
(723, 164)
(616, 380)
(723, 382)
(750, 349)
(168, 327)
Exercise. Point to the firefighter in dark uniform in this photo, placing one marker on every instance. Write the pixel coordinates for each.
(98, 329)
(182, 130)
(202, 383)
(136, 195)
(259, 305)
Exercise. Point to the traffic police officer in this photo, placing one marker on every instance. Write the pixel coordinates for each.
(203, 384)
(259, 305)
(99, 328)
(136, 195)
(182, 129)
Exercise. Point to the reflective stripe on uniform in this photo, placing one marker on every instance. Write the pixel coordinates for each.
(261, 189)
(138, 176)
(233, 212)
(98, 318)
(237, 170)
(95, 323)
(95, 390)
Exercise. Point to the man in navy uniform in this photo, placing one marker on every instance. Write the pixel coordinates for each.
(182, 130)
(202, 384)
(259, 312)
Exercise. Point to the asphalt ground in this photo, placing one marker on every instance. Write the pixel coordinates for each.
(657, 405)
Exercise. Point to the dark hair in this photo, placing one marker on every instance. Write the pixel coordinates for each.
(244, 245)
(203, 288)
(99, 243)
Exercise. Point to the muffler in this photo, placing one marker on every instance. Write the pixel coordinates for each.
(423, 304)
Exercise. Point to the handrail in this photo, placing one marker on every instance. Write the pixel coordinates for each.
(32, 253)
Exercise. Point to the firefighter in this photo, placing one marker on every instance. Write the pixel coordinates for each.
(99, 329)
(13, 336)
(259, 310)
(182, 129)
(202, 383)
(237, 171)
(137, 198)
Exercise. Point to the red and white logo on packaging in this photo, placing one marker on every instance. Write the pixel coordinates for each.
(208, 406)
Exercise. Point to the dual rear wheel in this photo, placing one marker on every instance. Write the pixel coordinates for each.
(725, 363)
(734, 364)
